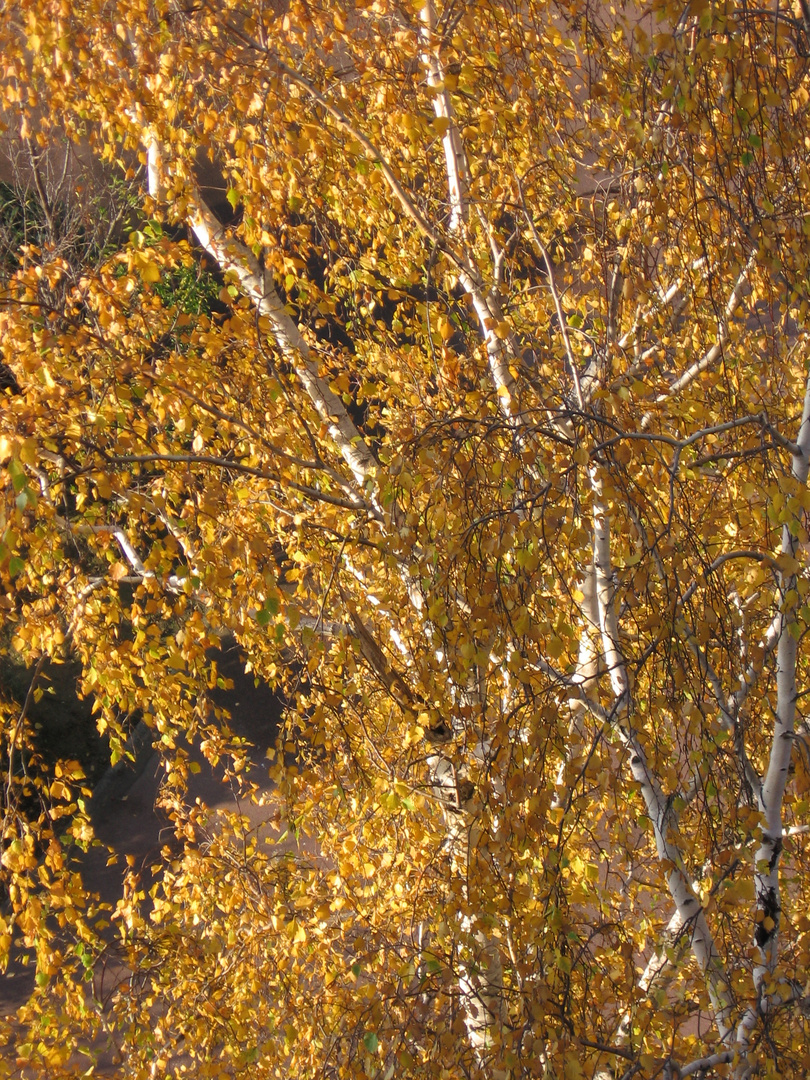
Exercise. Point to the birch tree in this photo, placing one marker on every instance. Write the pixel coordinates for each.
(493, 454)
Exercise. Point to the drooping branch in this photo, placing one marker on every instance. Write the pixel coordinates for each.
(688, 907)
(561, 319)
(660, 964)
(236, 465)
(729, 716)
(712, 354)
(659, 808)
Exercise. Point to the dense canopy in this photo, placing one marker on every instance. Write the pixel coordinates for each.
(453, 357)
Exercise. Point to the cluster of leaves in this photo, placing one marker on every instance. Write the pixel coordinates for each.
(508, 349)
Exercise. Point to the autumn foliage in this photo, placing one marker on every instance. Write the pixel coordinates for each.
(475, 405)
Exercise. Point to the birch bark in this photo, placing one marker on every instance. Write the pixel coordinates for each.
(768, 855)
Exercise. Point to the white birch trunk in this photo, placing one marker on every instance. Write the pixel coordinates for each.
(659, 811)
(458, 177)
(231, 254)
(767, 857)
(587, 671)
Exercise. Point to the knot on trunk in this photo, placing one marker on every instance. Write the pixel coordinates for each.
(766, 917)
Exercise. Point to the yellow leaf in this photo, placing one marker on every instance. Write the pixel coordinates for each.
(59, 790)
(150, 273)
(28, 451)
(740, 891)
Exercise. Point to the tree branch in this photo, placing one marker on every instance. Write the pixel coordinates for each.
(712, 354)
(769, 851)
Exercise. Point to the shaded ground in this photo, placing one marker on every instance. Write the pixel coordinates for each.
(128, 821)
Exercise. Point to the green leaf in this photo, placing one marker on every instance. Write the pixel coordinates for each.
(371, 1042)
(17, 474)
